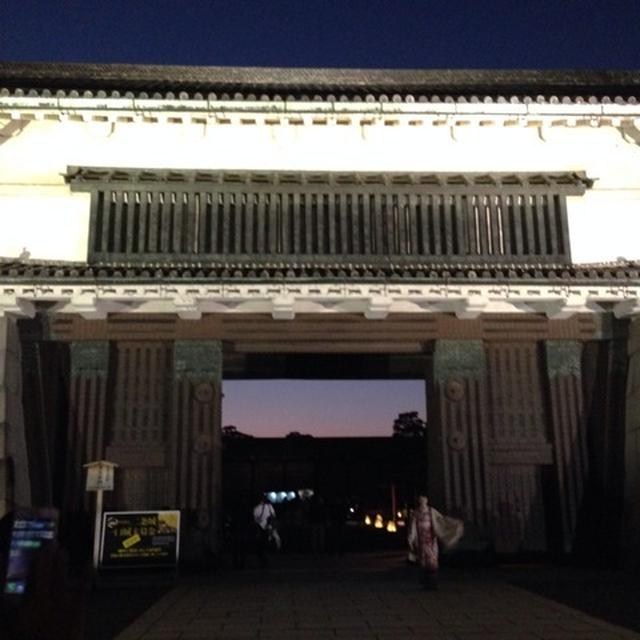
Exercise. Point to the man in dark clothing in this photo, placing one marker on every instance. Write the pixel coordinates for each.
(337, 521)
(318, 521)
(240, 529)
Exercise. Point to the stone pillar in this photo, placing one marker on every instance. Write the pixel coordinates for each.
(196, 443)
(604, 378)
(569, 433)
(5, 497)
(630, 551)
(521, 451)
(88, 409)
(15, 485)
(457, 441)
(138, 434)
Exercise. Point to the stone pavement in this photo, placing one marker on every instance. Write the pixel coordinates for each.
(359, 597)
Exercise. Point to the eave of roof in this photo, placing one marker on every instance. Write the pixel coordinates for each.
(243, 83)
(38, 272)
(90, 176)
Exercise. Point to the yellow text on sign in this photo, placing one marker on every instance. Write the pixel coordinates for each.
(129, 542)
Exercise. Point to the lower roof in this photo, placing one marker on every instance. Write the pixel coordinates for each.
(212, 272)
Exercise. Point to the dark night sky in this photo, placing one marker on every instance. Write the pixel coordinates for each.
(346, 33)
(559, 34)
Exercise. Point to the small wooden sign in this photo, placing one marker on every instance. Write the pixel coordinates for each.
(100, 475)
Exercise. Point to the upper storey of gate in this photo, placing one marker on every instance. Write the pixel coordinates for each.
(206, 190)
(126, 163)
(342, 218)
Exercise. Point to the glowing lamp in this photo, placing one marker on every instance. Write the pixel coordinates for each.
(367, 520)
(391, 526)
(378, 524)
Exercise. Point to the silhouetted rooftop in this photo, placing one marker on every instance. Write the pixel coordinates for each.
(255, 83)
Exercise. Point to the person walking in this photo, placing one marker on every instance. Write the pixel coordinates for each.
(263, 516)
(427, 526)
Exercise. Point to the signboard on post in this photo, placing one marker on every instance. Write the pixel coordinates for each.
(134, 539)
(99, 479)
(100, 475)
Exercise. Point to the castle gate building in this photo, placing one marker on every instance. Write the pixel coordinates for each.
(163, 229)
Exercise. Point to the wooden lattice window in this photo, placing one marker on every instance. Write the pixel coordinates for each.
(191, 215)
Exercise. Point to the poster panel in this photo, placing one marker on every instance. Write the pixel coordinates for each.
(140, 539)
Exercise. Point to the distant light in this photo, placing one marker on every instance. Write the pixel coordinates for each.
(282, 496)
(273, 496)
(352, 510)
(291, 495)
(379, 523)
(399, 514)
(367, 520)
(391, 526)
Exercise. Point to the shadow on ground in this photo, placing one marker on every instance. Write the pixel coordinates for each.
(613, 596)
(115, 603)
(610, 596)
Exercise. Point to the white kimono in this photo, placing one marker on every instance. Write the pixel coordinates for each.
(426, 529)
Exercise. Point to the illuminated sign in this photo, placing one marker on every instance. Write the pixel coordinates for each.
(33, 530)
(140, 539)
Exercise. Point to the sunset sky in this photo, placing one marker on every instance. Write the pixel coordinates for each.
(272, 408)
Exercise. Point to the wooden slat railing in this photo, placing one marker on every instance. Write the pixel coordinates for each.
(501, 221)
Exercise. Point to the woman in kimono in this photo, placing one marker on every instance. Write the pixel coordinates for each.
(427, 527)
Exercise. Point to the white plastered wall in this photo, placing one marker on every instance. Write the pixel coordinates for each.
(40, 214)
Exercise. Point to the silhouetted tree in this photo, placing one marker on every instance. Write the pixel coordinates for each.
(297, 434)
(409, 425)
(231, 432)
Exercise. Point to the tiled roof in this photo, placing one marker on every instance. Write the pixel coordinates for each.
(238, 83)
(100, 175)
(74, 272)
